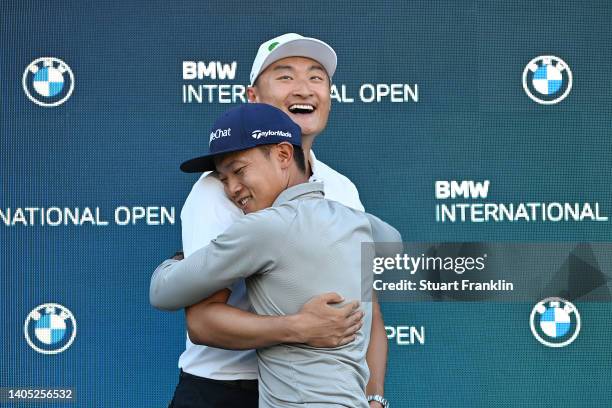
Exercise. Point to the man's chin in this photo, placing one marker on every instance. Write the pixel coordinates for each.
(308, 125)
(309, 130)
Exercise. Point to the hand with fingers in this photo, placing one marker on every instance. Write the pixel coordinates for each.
(322, 324)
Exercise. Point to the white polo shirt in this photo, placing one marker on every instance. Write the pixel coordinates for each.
(207, 213)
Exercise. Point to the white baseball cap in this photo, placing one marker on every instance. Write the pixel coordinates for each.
(293, 45)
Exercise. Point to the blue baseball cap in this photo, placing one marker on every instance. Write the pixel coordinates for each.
(243, 127)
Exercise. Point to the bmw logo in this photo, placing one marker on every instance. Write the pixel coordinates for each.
(48, 81)
(555, 322)
(50, 328)
(547, 79)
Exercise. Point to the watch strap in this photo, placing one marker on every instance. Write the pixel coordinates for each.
(378, 398)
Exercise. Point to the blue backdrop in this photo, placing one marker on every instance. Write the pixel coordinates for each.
(119, 138)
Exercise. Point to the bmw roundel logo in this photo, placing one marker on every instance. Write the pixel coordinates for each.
(555, 322)
(547, 79)
(50, 328)
(48, 81)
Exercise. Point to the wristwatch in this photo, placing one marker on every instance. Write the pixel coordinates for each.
(380, 399)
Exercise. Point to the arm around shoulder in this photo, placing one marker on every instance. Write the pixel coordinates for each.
(245, 248)
(170, 287)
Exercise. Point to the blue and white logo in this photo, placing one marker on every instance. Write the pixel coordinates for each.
(50, 328)
(258, 134)
(48, 81)
(547, 79)
(218, 134)
(555, 322)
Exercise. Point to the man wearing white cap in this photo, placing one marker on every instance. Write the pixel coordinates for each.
(294, 74)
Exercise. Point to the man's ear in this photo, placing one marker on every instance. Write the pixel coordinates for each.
(251, 94)
(284, 154)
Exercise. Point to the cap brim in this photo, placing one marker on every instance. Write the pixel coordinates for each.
(303, 47)
(199, 164)
(204, 163)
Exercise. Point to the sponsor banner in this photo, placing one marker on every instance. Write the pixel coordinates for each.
(82, 216)
(206, 82)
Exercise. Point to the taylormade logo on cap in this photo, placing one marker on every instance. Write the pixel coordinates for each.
(258, 134)
(219, 133)
(249, 125)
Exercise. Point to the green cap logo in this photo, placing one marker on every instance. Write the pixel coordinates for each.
(272, 46)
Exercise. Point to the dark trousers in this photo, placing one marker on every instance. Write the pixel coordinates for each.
(197, 392)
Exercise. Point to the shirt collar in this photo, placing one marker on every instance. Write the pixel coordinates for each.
(314, 167)
(312, 189)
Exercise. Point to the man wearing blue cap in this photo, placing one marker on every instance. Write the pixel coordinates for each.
(294, 74)
(292, 245)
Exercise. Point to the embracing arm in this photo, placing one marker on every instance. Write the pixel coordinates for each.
(376, 356)
(237, 253)
(168, 293)
(377, 353)
(215, 323)
(207, 273)
(319, 324)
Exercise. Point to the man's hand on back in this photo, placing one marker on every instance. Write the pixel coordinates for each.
(321, 324)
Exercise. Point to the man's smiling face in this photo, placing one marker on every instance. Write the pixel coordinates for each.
(252, 178)
(300, 87)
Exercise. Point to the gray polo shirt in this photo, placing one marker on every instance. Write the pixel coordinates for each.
(300, 247)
